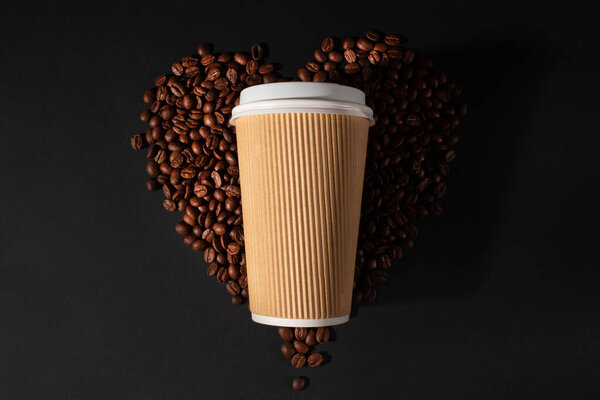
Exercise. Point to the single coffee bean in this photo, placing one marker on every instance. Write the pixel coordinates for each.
(298, 360)
(364, 44)
(199, 245)
(315, 359)
(204, 48)
(210, 255)
(287, 349)
(257, 51)
(160, 80)
(183, 229)
(322, 335)
(336, 56)
(189, 240)
(237, 300)
(285, 333)
(311, 338)
(152, 168)
(348, 43)
(393, 40)
(137, 142)
(327, 44)
(350, 56)
(352, 68)
(219, 229)
(233, 271)
(152, 184)
(304, 75)
(222, 274)
(233, 288)
(299, 383)
(212, 269)
(320, 56)
(301, 347)
(145, 116)
(320, 76)
(169, 205)
(300, 333)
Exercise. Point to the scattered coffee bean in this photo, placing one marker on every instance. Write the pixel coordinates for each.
(287, 349)
(299, 383)
(137, 142)
(300, 333)
(315, 359)
(285, 333)
(311, 339)
(298, 360)
(322, 335)
(301, 347)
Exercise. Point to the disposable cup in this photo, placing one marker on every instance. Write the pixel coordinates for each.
(301, 152)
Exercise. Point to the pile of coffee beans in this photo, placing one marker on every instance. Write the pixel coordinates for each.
(298, 342)
(410, 146)
(192, 156)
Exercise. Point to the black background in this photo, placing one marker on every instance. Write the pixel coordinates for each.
(100, 299)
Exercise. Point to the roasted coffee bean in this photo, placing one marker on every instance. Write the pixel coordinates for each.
(169, 205)
(233, 271)
(327, 44)
(322, 335)
(285, 333)
(257, 51)
(233, 288)
(210, 255)
(348, 43)
(212, 269)
(304, 75)
(188, 172)
(352, 68)
(199, 245)
(320, 76)
(183, 229)
(298, 360)
(152, 168)
(301, 347)
(152, 184)
(393, 40)
(137, 141)
(315, 359)
(299, 383)
(311, 338)
(320, 55)
(364, 44)
(287, 349)
(350, 56)
(300, 333)
(335, 56)
(204, 48)
(220, 229)
(222, 274)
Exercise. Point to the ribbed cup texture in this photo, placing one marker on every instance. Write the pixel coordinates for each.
(301, 177)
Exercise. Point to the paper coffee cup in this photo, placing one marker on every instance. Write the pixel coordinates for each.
(301, 150)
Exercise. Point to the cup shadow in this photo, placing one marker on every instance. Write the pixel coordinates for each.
(499, 75)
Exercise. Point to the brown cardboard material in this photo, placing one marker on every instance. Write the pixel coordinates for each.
(301, 177)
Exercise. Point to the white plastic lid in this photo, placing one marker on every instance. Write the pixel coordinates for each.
(301, 97)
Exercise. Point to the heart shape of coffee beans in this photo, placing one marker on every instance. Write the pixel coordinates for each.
(192, 155)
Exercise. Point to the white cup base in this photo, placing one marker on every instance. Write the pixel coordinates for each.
(302, 323)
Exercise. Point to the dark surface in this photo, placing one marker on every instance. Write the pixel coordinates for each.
(100, 299)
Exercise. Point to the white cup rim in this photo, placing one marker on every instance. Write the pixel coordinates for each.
(302, 97)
